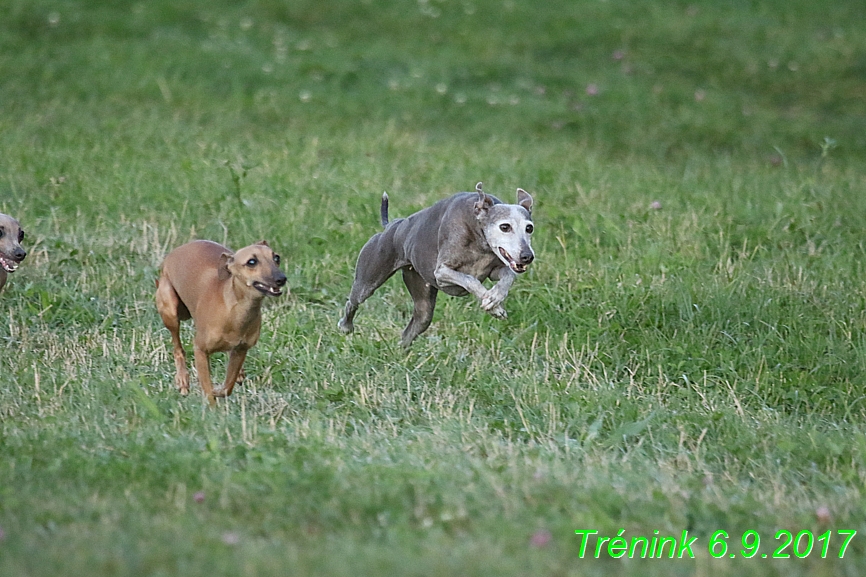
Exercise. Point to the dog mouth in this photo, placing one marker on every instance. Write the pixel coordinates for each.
(513, 264)
(267, 290)
(8, 264)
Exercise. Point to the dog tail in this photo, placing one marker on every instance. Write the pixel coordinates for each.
(383, 211)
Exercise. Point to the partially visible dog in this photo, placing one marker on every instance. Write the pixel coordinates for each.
(11, 253)
(222, 292)
(452, 246)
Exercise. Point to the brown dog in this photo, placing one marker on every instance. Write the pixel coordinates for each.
(222, 292)
(11, 253)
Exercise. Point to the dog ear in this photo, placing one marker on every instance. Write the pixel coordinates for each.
(484, 201)
(263, 243)
(223, 272)
(524, 200)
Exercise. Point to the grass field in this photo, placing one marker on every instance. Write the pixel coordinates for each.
(687, 353)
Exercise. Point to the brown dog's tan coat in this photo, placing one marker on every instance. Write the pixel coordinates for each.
(222, 292)
(11, 253)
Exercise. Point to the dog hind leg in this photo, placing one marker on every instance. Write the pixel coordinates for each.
(375, 266)
(424, 298)
(172, 310)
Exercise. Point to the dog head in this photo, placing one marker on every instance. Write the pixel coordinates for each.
(256, 266)
(507, 228)
(11, 235)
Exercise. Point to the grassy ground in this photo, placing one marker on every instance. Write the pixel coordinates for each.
(687, 352)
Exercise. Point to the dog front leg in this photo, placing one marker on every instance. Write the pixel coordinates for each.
(233, 372)
(424, 300)
(494, 297)
(446, 276)
(202, 367)
(490, 299)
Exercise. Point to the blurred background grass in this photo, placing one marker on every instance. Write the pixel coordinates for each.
(654, 79)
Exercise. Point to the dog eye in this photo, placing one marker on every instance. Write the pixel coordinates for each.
(20, 235)
(529, 229)
(505, 227)
(276, 259)
(252, 262)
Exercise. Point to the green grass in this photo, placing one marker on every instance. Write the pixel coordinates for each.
(698, 366)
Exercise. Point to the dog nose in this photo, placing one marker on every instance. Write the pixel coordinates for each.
(19, 254)
(280, 280)
(526, 257)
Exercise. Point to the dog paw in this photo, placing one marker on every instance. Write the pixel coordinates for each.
(498, 312)
(492, 299)
(182, 383)
(345, 327)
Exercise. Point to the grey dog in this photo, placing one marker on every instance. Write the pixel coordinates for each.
(452, 246)
(11, 253)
